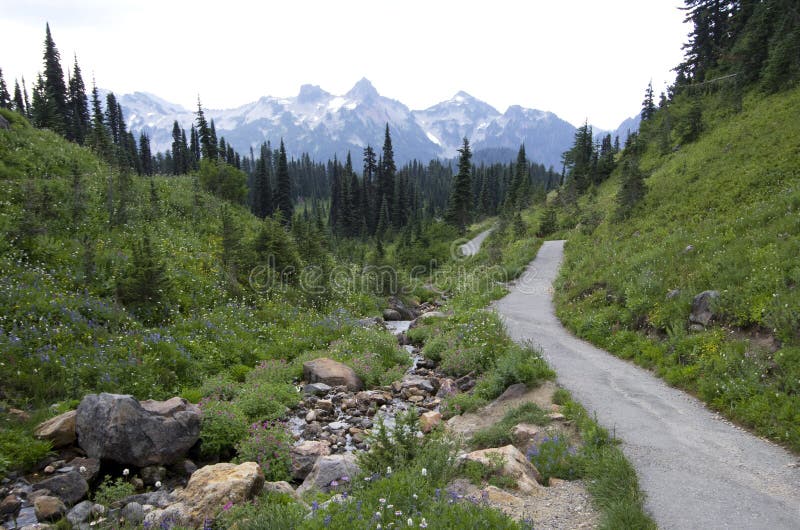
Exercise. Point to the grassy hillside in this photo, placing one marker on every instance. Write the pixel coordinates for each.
(721, 213)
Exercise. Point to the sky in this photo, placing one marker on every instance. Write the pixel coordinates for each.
(581, 59)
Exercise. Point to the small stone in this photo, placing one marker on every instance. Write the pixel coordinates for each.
(337, 426)
(49, 508)
(133, 513)
(429, 420)
(19, 415)
(60, 430)
(556, 416)
(70, 487)
(80, 513)
(311, 416)
(10, 506)
(554, 482)
(416, 399)
(89, 468)
(49, 470)
(317, 389)
(325, 404)
(137, 483)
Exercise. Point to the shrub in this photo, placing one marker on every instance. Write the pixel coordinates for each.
(499, 434)
(554, 457)
(19, 449)
(112, 491)
(268, 445)
(396, 448)
(461, 404)
(223, 426)
(266, 401)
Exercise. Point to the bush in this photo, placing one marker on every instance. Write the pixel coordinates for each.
(396, 448)
(554, 457)
(266, 401)
(111, 491)
(223, 426)
(268, 445)
(499, 434)
(20, 450)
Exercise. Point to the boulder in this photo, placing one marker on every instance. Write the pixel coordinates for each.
(429, 420)
(515, 466)
(305, 454)
(80, 513)
(119, 428)
(152, 474)
(132, 513)
(10, 507)
(330, 372)
(515, 391)
(524, 435)
(406, 313)
(415, 381)
(702, 310)
(60, 431)
(392, 314)
(317, 389)
(87, 467)
(447, 387)
(70, 487)
(48, 508)
(340, 467)
(209, 490)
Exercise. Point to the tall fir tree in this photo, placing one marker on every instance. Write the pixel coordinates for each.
(19, 102)
(54, 87)
(79, 119)
(387, 169)
(112, 118)
(5, 97)
(283, 191)
(145, 155)
(178, 150)
(459, 206)
(207, 142)
(648, 105)
(98, 139)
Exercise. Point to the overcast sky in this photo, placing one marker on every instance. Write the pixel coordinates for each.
(581, 59)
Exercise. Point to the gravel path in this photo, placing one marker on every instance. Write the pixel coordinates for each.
(699, 470)
(471, 247)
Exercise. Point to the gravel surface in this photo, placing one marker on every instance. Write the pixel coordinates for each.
(698, 470)
(471, 247)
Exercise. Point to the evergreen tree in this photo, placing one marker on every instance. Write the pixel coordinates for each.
(154, 202)
(25, 97)
(112, 118)
(632, 189)
(98, 138)
(179, 149)
(547, 221)
(580, 162)
(648, 105)
(519, 187)
(605, 161)
(145, 286)
(5, 97)
(231, 241)
(19, 102)
(194, 146)
(387, 169)
(460, 204)
(207, 141)
(145, 156)
(283, 192)
(43, 108)
(79, 119)
(54, 87)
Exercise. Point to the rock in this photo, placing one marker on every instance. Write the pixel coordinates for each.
(119, 428)
(132, 513)
(325, 404)
(208, 491)
(406, 313)
(421, 383)
(429, 420)
(372, 322)
(702, 310)
(311, 416)
(69, 487)
(514, 391)
(554, 482)
(392, 314)
(327, 469)
(152, 474)
(49, 508)
(524, 435)
(673, 294)
(4, 124)
(183, 468)
(19, 415)
(465, 383)
(447, 387)
(304, 455)
(80, 513)
(89, 468)
(337, 426)
(49, 470)
(10, 507)
(556, 416)
(317, 389)
(159, 499)
(60, 431)
(515, 466)
(330, 372)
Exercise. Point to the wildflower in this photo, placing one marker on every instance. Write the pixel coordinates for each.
(423, 523)
(382, 500)
(424, 472)
(334, 483)
(327, 520)
(82, 469)
(314, 506)
(158, 484)
(398, 513)
(410, 522)
(415, 496)
(376, 516)
(227, 506)
(126, 472)
(388, 470)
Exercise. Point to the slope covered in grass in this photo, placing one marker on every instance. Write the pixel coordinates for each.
(721, 214)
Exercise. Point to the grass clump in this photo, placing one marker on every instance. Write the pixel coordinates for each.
(499, 434)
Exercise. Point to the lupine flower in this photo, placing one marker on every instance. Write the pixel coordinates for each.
(227, 506)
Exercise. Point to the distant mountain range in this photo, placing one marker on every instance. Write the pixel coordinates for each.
(322, 124)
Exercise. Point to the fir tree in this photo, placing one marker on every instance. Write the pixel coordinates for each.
(632, 188)
(207, 142)
(54, 87)
(145, 156)
(388, 170)
(5, 97)
(145, 286)
(178, 150)
(459, 206)
(19, 102)
(43, 108)
(231, 242)
(79, 119)
(283, 191)
(648, 105)
(112, 118)
(98, 138)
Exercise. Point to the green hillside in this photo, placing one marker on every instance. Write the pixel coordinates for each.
(722, 213)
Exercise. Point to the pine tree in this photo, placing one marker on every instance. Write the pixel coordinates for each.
(145, 286)
(648, 105)
(112, 118)
(79, 119)
(54, 87)
(632, 189)
(231, 242)
(460, 203)
(43, 108)
(19, 102)
(283, 192)
(387, 169)
(178, 150)
(25, 97)
(207, 142)
(5, 97)
(154, 201)
(145, 156)
(98, 138)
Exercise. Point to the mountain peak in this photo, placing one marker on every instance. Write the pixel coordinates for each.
(462, 97)
(310, 94)
(362, 90)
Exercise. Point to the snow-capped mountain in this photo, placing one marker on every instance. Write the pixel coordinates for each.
(322, 124)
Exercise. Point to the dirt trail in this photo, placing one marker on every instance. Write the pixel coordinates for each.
(699, 470)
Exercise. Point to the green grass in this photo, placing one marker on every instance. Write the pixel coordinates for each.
(499, 434)
(734, 197)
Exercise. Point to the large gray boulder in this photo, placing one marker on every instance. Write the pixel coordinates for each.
(333, 373)
(120, 428)
(70, 487)
(702, 307)
(327, 469)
